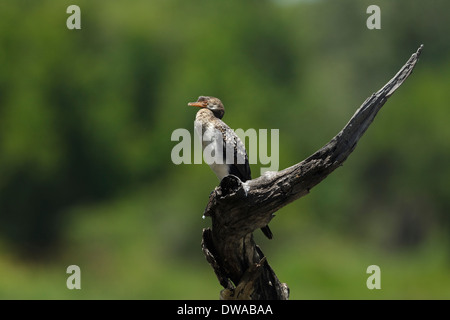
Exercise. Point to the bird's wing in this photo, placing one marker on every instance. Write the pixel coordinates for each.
(236, 155)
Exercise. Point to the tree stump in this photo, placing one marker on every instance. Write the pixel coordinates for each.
(237, 209)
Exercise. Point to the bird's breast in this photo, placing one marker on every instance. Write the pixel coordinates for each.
(221, 170)
(223, 151)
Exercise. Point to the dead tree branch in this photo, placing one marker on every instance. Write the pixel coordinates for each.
(237, 209)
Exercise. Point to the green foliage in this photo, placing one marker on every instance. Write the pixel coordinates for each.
(86, 118)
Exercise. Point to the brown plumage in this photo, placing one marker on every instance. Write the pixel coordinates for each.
(228, 151)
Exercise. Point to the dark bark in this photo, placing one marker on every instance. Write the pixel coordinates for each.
(237, 209)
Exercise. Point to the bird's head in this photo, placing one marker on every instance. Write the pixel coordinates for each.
(211, 103)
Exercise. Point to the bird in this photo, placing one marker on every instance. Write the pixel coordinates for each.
(223, 143)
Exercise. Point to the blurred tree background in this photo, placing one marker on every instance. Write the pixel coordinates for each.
(86, 118)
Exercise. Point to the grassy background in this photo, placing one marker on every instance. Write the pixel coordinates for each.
(86, 118)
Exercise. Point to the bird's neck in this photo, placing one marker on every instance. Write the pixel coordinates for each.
(205, 116)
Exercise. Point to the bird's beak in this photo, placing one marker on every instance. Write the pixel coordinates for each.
(198, 104)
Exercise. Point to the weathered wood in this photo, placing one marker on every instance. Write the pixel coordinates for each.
(237, 209)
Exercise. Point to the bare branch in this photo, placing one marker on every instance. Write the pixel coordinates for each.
(237, 209)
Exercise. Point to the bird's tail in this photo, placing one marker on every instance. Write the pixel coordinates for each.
(267, 232)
